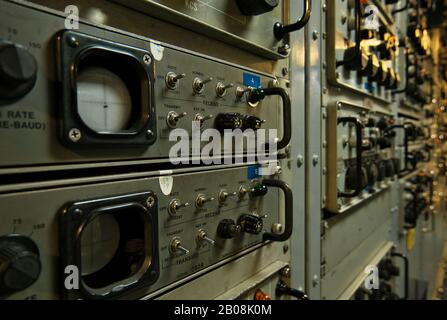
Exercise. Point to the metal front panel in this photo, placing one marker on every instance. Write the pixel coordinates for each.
(340, 155)
(21, 215)
(222, 20)
(352, 240)
(339, 38)
(33, 119)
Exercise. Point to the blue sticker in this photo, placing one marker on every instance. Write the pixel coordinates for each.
(253, 172)
(252, 80)
(370, 87)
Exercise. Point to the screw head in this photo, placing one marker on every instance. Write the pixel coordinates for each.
(74, 134)
(315, 34)
(276, 228)
(299, 161)
(73, 42)
(284, 50)
(315, 159)
(150, 201)
(149, 134)
(147, 59)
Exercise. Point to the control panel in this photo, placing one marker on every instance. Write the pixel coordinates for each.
(93, 95)
(360, 156)
(139, 237)
(361, 49)
(259, 26)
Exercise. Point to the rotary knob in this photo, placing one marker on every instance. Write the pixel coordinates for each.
(18, 71)
(228, 229)
(251, 223)
(256, 7)
(252, 122)
(19, 263)
(228, 121)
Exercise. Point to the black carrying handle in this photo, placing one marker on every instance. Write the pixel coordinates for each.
(358, 156)
(283, 289)
(401, 126)
(288, 199)
(405, 7)
(407, 275)
(286, 117)
(281, 30)
(356, 56)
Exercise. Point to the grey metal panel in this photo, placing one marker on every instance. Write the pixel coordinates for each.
(313, 158)
(222, 20)
(113, 15)
(346, 232)
(43, 101)
(297, 151)
(21, 206)
(337, 279)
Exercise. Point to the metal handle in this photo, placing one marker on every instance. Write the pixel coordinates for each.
(356, 55)
(405, 87)
(406, 266)
(282, 288)
(281, 30)
(259, 94)
(400, 126)
(405, 7)
(288, 199)
(358, 154)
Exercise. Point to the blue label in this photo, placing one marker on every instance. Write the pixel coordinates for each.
(253, 172)
(252, 80)
(369, 87)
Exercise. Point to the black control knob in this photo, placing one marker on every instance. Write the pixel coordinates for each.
(19, 263)
(255, 7)
(382, 171)
(228, 229)
(383, 143)
(351, 178)
(252, 122)
(18, 71)
(228, 121)
(251, 223)
(390, 171)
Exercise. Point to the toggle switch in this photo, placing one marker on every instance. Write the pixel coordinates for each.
(203, 236)
(198, 85)
(201, 118)
(173, 117)
(172, 79)
(224, 195)
(175, 205)
(241, 91)
(221, 88)
(201, 200)
(242, 192)
(176, 246)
